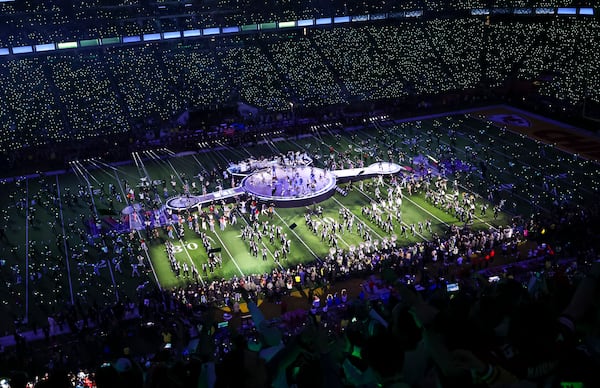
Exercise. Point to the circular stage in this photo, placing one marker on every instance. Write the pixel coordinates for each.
(289, 186)
(183, 202)
(286, 185)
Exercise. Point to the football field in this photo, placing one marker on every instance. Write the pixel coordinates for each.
(68, 242)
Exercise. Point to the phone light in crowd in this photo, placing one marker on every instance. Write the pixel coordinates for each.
(452, 287)
(356, 351)
(569, 384)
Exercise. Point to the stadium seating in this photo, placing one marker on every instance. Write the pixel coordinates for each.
(253, 76)
(55, 106)
(140, 89)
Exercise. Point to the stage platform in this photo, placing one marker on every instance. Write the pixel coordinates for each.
(249, 166)
(287, 186)
(380, 168)
(183, 202)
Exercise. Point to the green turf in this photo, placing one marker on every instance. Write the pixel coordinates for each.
(42, 272)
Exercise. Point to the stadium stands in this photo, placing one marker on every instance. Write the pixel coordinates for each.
(36, 112)
(253, 77)
(84, 78)
(552, 59)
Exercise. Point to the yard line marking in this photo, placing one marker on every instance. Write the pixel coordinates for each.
(426, 211)
(27, 250)
(62, 224)
(263, 244)
(199, 164)
(179, 238)
(139, 234)
(358, 218)
(79, 171)
(184, 246)
(475, 213)
(420, 207)
(401, 222)
(492, 149)
(404, 196)
(389, 186)
(230, 255)
(157, 158)
(298, 237)
(187, 253)
(84, 173)
(540, 146)
(176, 172)
(147, 255)
(329, 221)
(183, 249)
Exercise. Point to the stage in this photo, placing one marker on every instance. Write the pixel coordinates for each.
(286, 186)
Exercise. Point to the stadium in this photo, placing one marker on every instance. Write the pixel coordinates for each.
(277, 194)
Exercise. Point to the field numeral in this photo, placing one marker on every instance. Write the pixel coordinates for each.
(191, 246)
